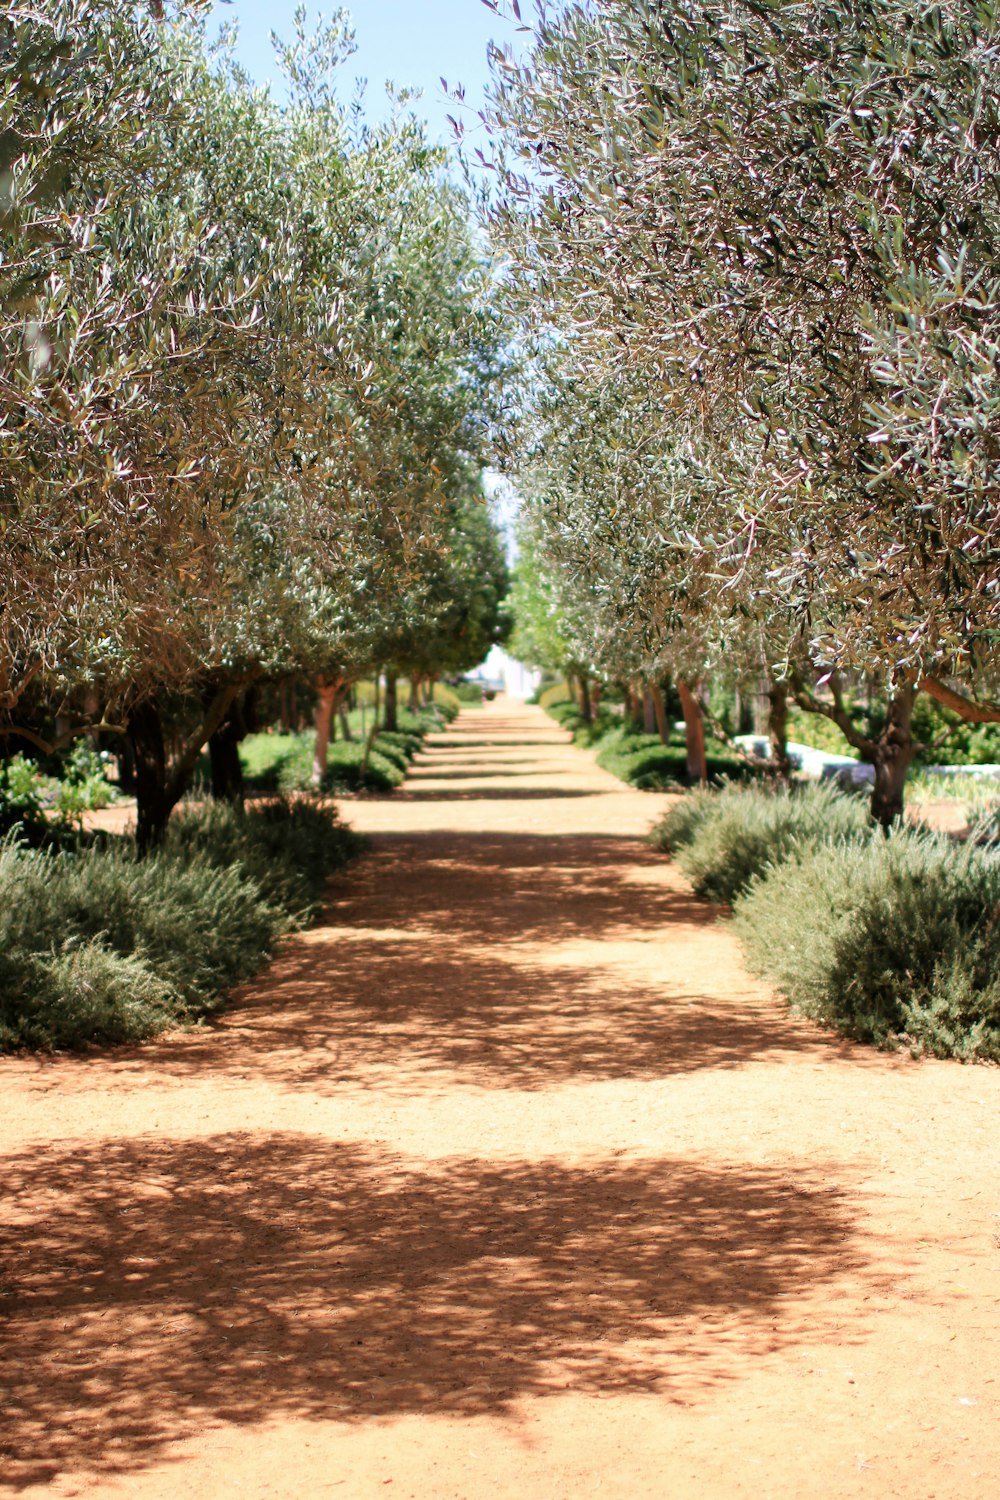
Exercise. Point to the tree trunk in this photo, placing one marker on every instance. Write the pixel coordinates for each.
(659, 713)
(149, 757)
(415, 693)
(777, 728)
(345, 722)
(391, 703)
(648, 710)
(326, 698)
(584, 699)
(227, 768)
(694, 734)
(893, 755)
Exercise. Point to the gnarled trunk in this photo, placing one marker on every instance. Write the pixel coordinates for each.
(648, 710)
(227, 768)
(694, 733)
(149, 757)
(892, 757)
(659, 713)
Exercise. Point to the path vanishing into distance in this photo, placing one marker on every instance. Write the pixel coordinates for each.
(507, 1181)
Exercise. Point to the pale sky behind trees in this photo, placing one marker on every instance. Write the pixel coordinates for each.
(413, 43)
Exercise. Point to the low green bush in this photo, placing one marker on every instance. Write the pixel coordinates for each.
(645, 762)
(288, 846)
(559, 692)
(345, 769)
(80, 993)
(468, 693)
(446, 701)
(22, 798)
(887, 940)
(277, 762)
(723, 839)
(96, 946)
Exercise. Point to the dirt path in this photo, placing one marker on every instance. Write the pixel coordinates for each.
(508, 1182)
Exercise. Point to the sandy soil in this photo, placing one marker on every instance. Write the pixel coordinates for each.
(507, 1181)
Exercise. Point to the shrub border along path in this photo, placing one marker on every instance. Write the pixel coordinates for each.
(507, 1179)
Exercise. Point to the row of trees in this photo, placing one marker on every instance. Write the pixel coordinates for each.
(250, 356)
(756, 246)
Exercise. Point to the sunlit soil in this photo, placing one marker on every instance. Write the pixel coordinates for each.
(507, 1180)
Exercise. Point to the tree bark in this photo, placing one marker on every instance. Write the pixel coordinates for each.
(659, 713)
(648, 710)
(893, 755)
(149, 758)
(391, 703)
(694, 734)
(584, 699)
(158, 790)
(414, 693)
(227, 768)
(777, 729)
(326, 699)
(223, 747)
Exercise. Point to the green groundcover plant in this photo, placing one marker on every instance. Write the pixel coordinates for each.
(723, 839)
(893, 941)
(97, 946)
(889, 941)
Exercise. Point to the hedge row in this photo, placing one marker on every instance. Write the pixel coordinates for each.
(642, 760)
(97, 946)
(892, 941)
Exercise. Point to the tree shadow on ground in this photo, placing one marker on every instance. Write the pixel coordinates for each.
(152, 1286)
(444, 954)
(326, 1016)
(517, 888)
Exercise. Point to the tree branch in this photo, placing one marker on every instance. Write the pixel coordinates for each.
(835, 711)
(966, 708)
(50, 747)
(10, 697)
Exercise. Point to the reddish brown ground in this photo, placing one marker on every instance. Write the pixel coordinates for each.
(506, 1182)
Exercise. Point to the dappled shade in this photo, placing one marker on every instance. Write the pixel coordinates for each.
(152, 1285)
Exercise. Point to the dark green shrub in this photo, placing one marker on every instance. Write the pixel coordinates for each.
(277, 762)
(886, 939)
(391, 750)
(22, 798)
(722, 839)
(344, 770)
(288, 846)
(468, 692)
(80, 994)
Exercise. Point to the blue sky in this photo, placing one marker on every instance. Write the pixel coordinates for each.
(412, 42)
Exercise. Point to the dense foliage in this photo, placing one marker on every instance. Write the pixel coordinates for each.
(753, 250)
(250, 359)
